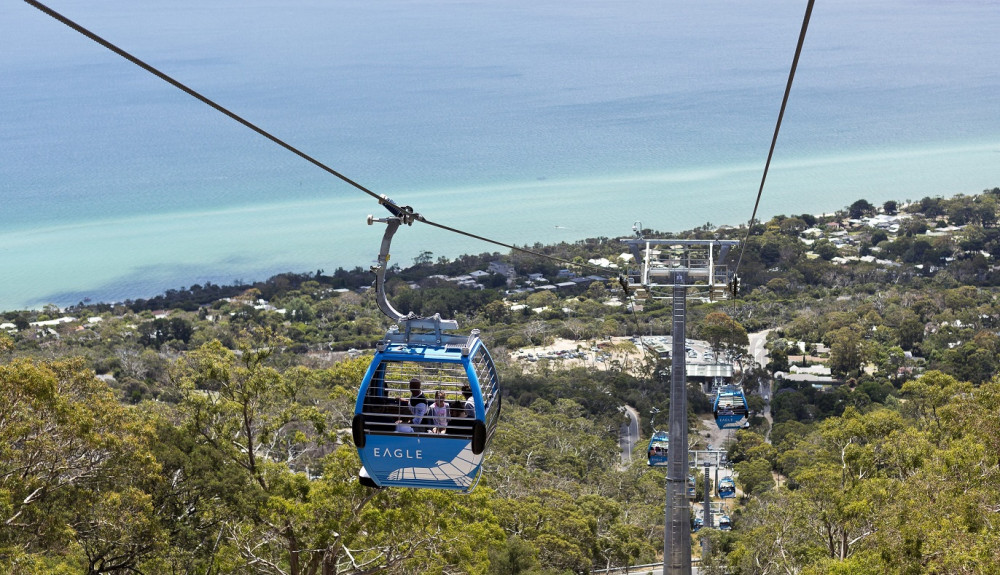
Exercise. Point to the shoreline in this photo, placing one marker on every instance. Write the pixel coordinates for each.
(141, 257)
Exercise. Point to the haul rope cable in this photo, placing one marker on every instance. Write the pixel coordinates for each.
(777, 127)
(770, 153)
(404, 212)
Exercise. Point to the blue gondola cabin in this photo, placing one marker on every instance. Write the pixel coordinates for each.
(659, 446)
(426, 411)
(727, 487)
(730, 407)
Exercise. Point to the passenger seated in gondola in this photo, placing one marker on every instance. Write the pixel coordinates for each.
(469, 403)
(403, 424)
(439, 413)
(418, 405)
(460, 423)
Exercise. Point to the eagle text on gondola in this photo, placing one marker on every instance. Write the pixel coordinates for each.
(399, 453)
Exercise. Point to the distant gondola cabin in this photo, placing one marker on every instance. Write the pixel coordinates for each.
(727, 487)
(659, 445)
(730, 407)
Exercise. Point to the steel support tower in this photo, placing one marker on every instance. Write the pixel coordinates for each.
(707, 506)
(675, 270)
(677, 533)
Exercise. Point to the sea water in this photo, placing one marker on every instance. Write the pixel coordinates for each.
(522, 121)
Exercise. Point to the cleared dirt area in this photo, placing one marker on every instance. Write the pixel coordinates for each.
(599, 353)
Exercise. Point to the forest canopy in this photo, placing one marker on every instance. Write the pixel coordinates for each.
(207, 430)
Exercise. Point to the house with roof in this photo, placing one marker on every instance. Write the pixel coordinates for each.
(504, 269)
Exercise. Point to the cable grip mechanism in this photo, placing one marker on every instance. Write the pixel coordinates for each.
(409, 321)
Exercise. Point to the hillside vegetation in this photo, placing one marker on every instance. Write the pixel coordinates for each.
(207, 430)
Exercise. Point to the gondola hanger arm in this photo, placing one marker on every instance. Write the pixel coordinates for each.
(400, 216)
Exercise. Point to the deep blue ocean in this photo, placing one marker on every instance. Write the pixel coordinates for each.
(520, 120)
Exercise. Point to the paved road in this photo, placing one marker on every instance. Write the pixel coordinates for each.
(628, 435)
(759, 355)
(757, 350)
(652, 569)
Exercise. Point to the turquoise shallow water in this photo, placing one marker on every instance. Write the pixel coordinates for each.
(524, 121)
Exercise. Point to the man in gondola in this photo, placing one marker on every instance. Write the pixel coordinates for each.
(469, 403)
(418, 404)
(463, 414)
(460, 423)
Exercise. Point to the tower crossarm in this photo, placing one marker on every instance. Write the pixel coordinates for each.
(701, 265)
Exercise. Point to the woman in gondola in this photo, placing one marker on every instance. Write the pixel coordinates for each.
(439, 413)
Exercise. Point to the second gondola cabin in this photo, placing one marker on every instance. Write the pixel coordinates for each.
(659, 446)
(727, 487)
(730, 407)
(426, 411)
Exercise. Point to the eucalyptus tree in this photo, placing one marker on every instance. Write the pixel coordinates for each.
(75, 465)
(724, 335)
(884, 491)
